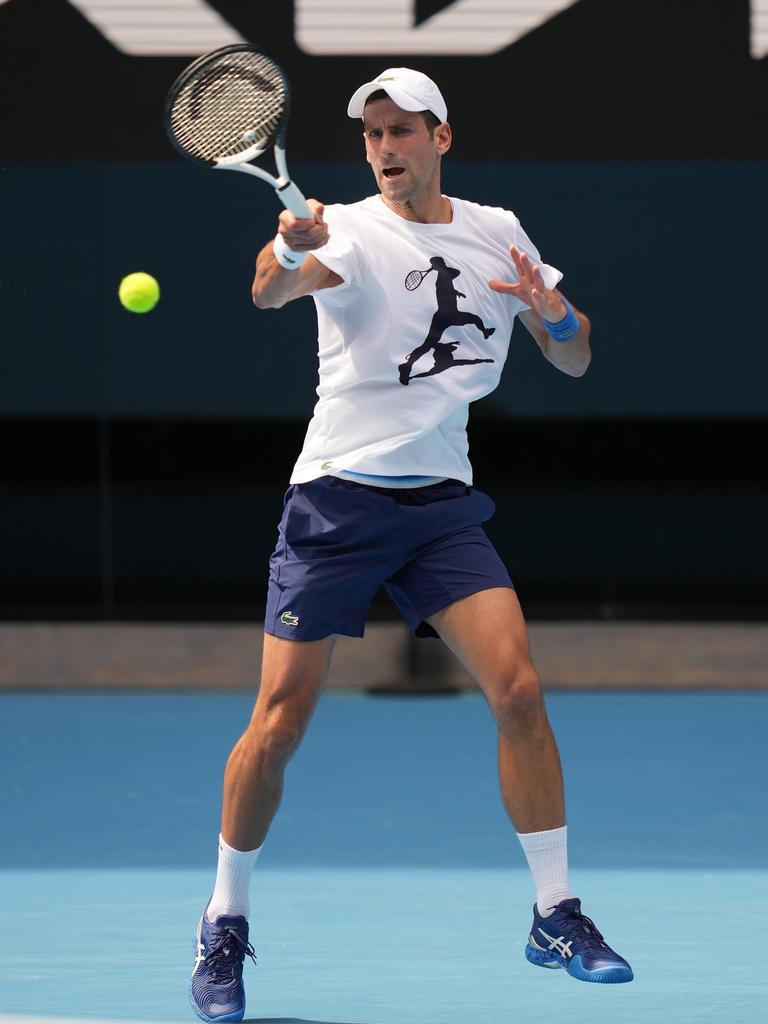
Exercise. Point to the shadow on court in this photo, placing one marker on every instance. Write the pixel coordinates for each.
(292, 1020)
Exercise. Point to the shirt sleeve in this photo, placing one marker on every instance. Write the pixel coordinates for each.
(343, 253)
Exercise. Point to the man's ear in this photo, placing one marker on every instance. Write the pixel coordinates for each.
(443, 137)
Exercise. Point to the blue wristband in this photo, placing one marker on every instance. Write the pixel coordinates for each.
(566, 328)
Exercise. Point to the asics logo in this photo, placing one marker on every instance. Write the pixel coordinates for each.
(200, 957)
(558, 945)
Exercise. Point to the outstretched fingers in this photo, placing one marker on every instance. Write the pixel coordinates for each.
(521, 288)
(530, 288)
(505, 286)
(528, 272)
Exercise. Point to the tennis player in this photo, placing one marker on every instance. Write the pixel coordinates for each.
(382, 494)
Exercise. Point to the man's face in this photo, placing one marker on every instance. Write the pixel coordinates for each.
(404, 157)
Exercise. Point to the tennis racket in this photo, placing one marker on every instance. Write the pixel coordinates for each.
(227, 108)
(414, 278)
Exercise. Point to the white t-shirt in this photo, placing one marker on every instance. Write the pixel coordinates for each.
(400, 364)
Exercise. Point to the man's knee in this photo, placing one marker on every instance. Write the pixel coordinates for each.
(277, 733)
(516, 701)
(292, 677)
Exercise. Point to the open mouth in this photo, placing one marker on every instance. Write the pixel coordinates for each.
(392, 172)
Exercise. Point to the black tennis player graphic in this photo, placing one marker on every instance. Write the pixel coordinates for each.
(448, 315)
(443, 356)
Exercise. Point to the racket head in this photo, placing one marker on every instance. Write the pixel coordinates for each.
(228, 106)
(414, 278)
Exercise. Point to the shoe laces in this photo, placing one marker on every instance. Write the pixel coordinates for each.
(592, 933)
(225, 954)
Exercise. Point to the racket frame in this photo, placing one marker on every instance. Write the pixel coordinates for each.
(288, 192)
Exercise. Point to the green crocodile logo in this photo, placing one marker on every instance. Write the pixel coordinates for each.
(289, 619)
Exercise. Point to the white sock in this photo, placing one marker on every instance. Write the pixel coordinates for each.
(547, 856)
(233, 877)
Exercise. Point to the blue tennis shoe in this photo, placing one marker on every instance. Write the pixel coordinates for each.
(567, 938)
(216, 988)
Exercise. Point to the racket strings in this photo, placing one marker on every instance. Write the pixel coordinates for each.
(229, 105)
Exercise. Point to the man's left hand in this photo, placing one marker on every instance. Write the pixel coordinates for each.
(531, 290)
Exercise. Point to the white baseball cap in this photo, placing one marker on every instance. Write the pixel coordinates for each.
(410, 90)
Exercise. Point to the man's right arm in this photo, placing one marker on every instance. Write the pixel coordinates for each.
(274, 285)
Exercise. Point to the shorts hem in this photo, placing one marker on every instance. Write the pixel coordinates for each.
(291, 635)
(428, 631)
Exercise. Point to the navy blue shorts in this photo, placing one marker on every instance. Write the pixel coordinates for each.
(339, 541)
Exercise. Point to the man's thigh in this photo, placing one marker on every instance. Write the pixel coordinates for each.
(293, 674)
(487, 633)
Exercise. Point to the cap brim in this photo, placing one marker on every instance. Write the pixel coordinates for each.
(356, 106)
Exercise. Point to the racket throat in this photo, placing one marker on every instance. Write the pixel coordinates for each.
(287, 192)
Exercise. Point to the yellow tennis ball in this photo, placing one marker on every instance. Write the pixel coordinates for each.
(139, 292)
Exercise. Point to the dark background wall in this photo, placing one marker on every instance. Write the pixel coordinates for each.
(142, 459)
(667, 257)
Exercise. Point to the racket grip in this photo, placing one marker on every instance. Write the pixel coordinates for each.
(292, 199)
